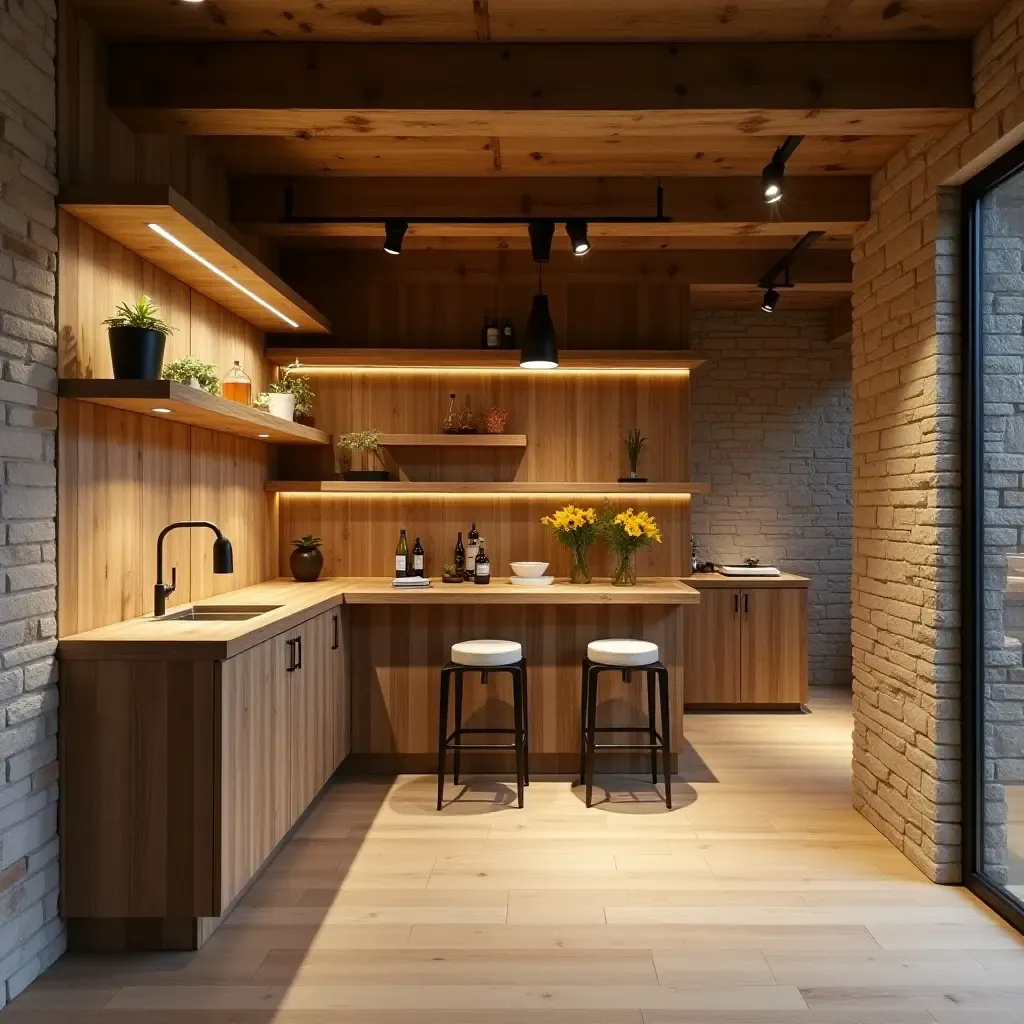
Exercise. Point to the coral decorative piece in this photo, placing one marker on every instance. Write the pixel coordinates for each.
(495, 421)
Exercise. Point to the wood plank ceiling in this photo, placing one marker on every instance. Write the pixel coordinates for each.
(551, 102)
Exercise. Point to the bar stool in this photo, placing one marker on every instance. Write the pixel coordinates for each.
(622, 656)
(485, 657)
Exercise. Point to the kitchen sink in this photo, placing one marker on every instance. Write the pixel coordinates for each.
(219, 613)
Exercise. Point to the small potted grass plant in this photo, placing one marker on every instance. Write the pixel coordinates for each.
(137, 337)
(307, 560)
(634, 443)
(365, 443)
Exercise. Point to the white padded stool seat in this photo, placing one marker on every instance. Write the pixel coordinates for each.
(487, 653)
(627, 653)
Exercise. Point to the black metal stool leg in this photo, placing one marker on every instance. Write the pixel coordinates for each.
(457, 758)
(592, 675)
(442, 734)
(666, 736)
(526, 724)
(517, 703)
(652, 730)
(583, 720)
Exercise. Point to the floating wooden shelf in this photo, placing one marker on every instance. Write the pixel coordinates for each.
(191, 406)
(481, 359)
(541, 488)
(453, 440)
(125, 213)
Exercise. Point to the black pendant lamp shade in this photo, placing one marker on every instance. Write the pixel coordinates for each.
(540, 350)
(542, 232)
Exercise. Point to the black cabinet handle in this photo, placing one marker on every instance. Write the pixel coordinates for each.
(298, 642)
(291, 656)
(336, 644)
(746, 603)
(735, 604)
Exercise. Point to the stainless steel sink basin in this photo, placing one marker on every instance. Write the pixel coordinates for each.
(219, 613)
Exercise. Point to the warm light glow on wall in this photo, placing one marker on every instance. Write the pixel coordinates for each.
(505, 371)
(480, 496)
(163, 233)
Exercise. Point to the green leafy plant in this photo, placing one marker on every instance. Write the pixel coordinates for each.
(189, 368)
(634, 446)
(292, 383)
(143, 314)
(365, 442)
(307, 542)
(448, 569)
(278, 387)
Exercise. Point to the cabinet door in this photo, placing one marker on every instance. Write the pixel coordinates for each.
(774, 647)
(711, 634)
(308, 738)
(338, 688)
(256, 732)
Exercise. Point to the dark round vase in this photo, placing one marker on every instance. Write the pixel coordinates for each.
(306, 564)
(136, 352)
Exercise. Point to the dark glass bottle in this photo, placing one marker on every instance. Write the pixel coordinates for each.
(417, 558)
(508, 334)
(460, 557)
(482, 572)
(471, 550)
(402, 557)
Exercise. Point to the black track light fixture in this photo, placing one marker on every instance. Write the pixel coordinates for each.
(775, 171)
(771, 300)
(542, 233)
(780, 269)
(394, 233)
(540, 347)
(579, 243)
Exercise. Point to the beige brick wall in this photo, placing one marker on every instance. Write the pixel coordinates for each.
(31, 934)
(770, 414)
(906, 552)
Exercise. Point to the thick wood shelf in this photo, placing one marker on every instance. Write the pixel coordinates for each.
(125, 213)
(541, 488)
(191, 406)
(453, 440)
(481, 359)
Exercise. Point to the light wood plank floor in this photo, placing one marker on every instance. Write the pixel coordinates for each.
(762, 898)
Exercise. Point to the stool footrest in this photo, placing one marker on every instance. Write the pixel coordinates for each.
(628, 746)
(481, 746)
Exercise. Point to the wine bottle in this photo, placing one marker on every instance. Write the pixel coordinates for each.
(482, 572)
(402, 557)
(471, 550)
(417, 558)
(460, 558)
(508, 334)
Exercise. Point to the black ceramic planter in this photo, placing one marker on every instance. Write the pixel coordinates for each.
(136, 352)
(366, 474)
(306, 564)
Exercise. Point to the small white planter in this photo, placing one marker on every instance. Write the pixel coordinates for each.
(282, 406)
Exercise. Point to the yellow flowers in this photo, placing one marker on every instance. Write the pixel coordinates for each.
(570, 518)
(638, 524)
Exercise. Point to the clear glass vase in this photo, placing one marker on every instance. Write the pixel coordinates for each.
(579, 572)
(624, 574)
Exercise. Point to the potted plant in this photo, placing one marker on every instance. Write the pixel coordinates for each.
(367, 444)
(194, 373)
(634, 446)
(307, 560)
(137, 336)
(449, 574)
(576, 528)
(278, 401)
(304, 394)
(626, 532)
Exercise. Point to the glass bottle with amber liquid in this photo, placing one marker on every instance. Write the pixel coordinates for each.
(482, 573)
(236, 386)
(402, 557)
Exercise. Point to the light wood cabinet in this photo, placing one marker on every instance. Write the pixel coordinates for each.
(746, 647)
(187, 775)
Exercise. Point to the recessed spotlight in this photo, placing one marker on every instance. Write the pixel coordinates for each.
(394, 232)
(263, 435)
(160, 410)
(771, 300)
(578, 241)
(192, 1)
(164, 233)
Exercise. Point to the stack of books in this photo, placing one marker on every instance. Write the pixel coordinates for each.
(411, 583)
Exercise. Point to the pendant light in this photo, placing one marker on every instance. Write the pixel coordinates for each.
(540, 349)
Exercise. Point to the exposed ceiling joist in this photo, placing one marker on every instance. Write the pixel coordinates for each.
(543, 89)
(692, 207)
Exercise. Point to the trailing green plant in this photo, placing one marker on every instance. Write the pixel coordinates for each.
(143, 314)
(634, 446)
(293, 384)
(307, 542)
(189, 368)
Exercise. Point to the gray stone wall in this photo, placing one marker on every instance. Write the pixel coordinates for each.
(31, 934)
(771, 418)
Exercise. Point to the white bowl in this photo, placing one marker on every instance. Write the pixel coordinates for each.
(530, 569)
(532, 581)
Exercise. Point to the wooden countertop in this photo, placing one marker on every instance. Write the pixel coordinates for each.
(500, 591)
(150, 639)
(716, 579)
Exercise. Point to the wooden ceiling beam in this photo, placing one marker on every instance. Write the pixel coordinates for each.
(696, 206)
(496, 89)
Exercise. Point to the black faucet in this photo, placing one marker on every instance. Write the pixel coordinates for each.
(223, 563)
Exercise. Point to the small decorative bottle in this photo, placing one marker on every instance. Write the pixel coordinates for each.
(450, 423)
(467, 421)
(482, 572)
(236, 386)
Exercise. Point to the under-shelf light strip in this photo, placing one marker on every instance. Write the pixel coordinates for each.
(518, 371)
(163, 233)
(541, 495)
